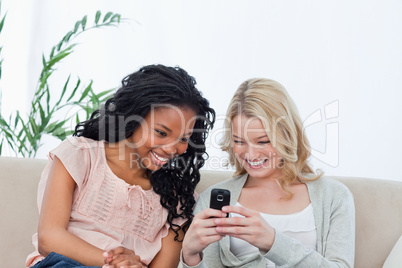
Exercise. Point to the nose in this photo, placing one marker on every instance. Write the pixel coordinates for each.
(252, 152)
(170, 149)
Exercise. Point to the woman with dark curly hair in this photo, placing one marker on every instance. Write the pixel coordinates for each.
(120, 193)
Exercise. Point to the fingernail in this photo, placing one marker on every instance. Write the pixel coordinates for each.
(224, 215)
(224, 209)
(105, 254)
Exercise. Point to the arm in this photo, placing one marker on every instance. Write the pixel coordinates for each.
(199, 248)
(338, 246)
(338, 242)
(54, 218)
(169, 255)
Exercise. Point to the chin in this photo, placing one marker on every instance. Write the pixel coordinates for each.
(259, 173)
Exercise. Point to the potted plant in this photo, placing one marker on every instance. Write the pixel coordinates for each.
(23, 133)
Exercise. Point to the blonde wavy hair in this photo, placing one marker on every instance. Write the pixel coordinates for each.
(269, 101)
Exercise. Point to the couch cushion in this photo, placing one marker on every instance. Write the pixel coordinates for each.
(19, 181)
(378, 218)
(395, 257)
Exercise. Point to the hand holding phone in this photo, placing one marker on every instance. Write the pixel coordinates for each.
(219, 198)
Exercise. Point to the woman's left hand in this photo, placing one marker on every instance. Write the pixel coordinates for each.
(252, 228)
(121, 257)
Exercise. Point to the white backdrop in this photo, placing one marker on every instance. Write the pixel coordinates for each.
(341, 61)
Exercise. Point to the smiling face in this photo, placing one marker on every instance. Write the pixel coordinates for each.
(163, 134)
(253, 149)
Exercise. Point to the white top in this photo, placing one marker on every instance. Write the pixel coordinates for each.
(300, 226)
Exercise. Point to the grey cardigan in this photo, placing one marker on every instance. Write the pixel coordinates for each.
(334, 215)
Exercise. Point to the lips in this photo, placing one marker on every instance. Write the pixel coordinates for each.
(158, 159)
(256, 164)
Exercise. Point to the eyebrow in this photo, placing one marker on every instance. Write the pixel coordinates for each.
(261, 137)
(170, 131)
(165, 127)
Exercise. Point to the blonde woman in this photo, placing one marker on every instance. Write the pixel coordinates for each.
(282, 214)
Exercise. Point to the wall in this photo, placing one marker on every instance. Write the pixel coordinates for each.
(341, 61)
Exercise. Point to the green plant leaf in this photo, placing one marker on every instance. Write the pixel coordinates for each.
(84, 22)
(43, 80)
(103, 93)
(74, 90)
(34, 126)
(2, 22)
(50, 127)
(68, 36)
(86, 91)
(63, 92)
(97, 17)
(61, 55)
(115, 18)
(17, 119)
(77, 25)
(47, 99)
(52, 52)
(69, 132)
(43, 60)
(59, 46)
(27, 133)
(107, 16)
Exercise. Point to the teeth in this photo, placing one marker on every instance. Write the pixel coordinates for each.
(257, 163)
(163, 159)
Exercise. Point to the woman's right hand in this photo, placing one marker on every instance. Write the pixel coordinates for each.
(201, 233)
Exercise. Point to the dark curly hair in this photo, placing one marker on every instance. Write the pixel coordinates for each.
(154, 85)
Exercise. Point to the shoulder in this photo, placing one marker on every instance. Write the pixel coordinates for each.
(327, 183)
(328, 188)
(81, 142)
(78, 154)
(76, 145)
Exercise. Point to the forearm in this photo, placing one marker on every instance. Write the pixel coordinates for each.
(287, 251)
(65, 243)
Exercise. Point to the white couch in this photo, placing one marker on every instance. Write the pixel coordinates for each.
(378, 213)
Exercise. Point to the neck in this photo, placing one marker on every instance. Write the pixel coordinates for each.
(125, 165)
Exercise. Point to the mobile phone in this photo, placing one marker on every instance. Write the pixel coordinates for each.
(219, 198)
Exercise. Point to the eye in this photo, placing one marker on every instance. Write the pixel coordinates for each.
(237, 141)
(161, 133)
(264, 142)
(185, 139)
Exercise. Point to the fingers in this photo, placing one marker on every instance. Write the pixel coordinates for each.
(119, 250)
(248, 225)
(239, 210)
(123, 266)
(233, 226)
(121, 256)
(125, 263)
(202, 232)
(210, 213)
